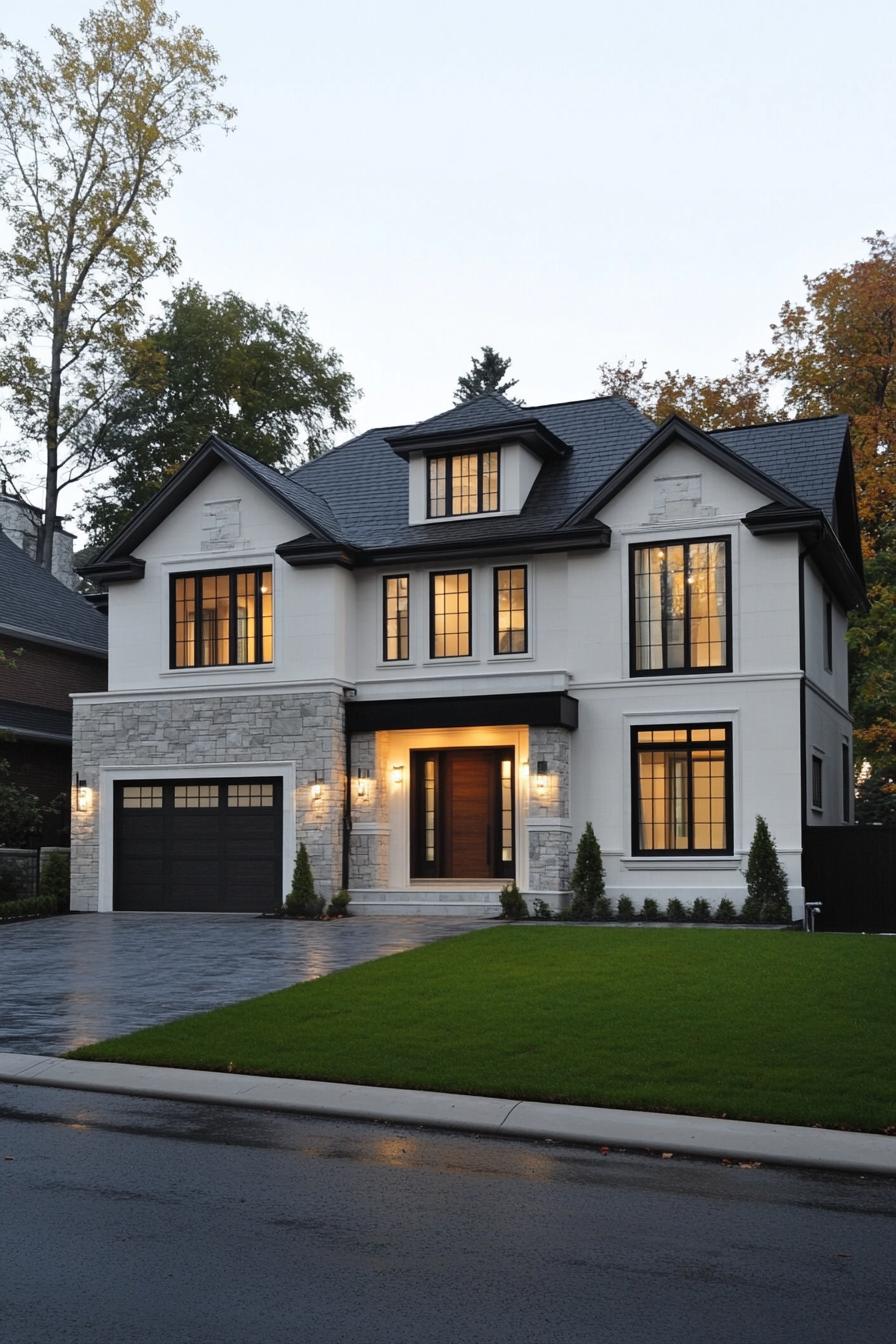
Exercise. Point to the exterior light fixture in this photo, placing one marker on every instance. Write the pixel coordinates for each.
(363, 782)
(541, 776)
(317, 786)
(397, 774)
(82, 794)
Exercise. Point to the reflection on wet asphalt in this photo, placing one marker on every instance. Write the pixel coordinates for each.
(153, 1221)
(68, 982)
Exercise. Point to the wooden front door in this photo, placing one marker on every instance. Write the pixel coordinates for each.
(462, 814)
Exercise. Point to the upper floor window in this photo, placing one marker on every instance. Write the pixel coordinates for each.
(681, 782)
(221, 618)
(680, 614)
(817, 784)
(396, 618)
(463, 483)
(450, 627)
(511, 611)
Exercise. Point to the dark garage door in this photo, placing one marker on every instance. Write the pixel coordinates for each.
(204, 844)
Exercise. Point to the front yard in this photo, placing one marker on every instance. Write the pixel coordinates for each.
(760, 1026)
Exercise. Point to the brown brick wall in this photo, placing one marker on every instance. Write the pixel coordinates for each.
(47, 676)
(44, 768)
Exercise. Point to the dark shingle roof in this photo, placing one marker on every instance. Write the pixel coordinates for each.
(365, 483)
(33, 603)
(802, 455)
(298, 495)
(35, 721)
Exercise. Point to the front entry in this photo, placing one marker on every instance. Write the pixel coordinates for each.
(462, 813)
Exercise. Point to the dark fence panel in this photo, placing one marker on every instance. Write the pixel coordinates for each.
(19, 873)
(852, 871)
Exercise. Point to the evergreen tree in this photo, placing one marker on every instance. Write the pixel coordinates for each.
(766, 881)
(488, 374)
(589, 900)
(302, 899)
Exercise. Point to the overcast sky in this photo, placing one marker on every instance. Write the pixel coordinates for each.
(570, 182)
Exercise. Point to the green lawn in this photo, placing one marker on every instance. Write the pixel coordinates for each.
(763, 1026)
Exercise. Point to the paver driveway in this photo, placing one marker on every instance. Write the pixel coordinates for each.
(66, 982)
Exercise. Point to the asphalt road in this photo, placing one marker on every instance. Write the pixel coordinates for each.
(164, 1223)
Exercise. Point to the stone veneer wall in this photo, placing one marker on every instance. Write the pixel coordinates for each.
(306, 727)
(369, 845)
(549, 826)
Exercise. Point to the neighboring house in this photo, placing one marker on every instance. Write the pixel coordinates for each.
(438, 651)
(55, 644)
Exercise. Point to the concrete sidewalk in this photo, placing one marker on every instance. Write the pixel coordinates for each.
(696, 1136)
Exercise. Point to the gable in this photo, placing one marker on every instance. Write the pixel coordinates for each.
(223, 516)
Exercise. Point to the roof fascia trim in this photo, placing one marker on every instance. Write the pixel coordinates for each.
(53, 642)
(596, 537)
(528, 431)
(677, 428)
(822, 545)
(114, 571)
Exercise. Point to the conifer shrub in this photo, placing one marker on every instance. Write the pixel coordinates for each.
(766, 901)
(338, 907)
(625, 908)
(302, 901)
(651, 911)
(589, 899)
(513, 906)
(700, 912)
(541, 909)
(726, 912)
(675, 911)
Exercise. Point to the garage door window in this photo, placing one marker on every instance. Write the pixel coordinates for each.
(250, 795)
(195, 795)
(141, 795)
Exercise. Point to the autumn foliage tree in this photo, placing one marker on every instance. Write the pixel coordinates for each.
(90, 143)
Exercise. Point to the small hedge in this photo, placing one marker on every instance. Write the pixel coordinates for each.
(28, 907)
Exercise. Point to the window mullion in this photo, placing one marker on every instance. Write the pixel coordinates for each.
(231, 618)
(690, 760)
(197, 620)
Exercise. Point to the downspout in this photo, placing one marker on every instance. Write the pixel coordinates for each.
(346, 804)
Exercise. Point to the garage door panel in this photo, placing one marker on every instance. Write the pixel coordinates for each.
(171, 854)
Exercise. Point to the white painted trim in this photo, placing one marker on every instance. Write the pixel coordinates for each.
(691, 679)
(110, 775)
(697, 861)
(548, 823)
(198, 692)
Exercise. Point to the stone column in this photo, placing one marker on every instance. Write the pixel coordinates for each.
(549, 826)
(369, 848)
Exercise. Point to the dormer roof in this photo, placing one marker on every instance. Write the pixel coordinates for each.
(486, 422)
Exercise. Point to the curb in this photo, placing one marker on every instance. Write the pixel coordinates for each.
(688, 1135)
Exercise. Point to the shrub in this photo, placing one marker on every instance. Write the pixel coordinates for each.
(587, 882)
(625, 908)
(766, 881)
(726, 912)
(651, 911)
(512, 904)
(55, 879)
(28, 907)
(701, 913)
(541, 909)
(339, 904)
(302, 900)
(675, 911)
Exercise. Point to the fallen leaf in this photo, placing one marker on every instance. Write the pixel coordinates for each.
(604, 1149)
(749, 1165)
(667, 1154)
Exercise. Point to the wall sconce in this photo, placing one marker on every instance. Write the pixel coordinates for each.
(541, 776)
(363, 782)
(397, 774)
(317, 787)
(82, 794)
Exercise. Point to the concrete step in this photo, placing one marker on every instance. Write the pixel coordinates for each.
(468, 904)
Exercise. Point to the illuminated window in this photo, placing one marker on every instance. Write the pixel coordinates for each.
(195, 795)
(429, 811)
(680, 617)
(450, 633)
(250, 795)
(464, 483)
(682, 790)
(511, 632)
(141, 795)
(396, 618)
(507, 811)
(222, 618)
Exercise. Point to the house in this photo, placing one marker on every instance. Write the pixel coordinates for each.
(437, 651)
(54, 643)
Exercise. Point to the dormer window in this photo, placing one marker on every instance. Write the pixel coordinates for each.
(463, 483)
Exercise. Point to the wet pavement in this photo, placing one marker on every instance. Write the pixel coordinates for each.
(70, 981)
(148, 1221)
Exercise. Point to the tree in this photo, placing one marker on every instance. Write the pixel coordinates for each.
(22, 814)
(589, 900)
(302, 899)
(90, 143)
(250, 372)
(872, 684)
(488, 374)
(738, 398)
(766, 880)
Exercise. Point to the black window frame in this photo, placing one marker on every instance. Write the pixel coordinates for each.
(636, 748)
(387, 579)
(510, 653)
(817, 782)
(448, 458)
(828, 634)
(441, 574)
(197, 575)
(687, 670)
